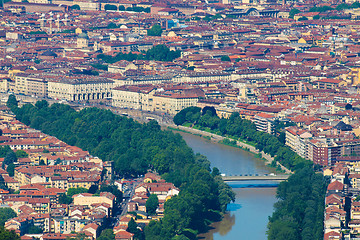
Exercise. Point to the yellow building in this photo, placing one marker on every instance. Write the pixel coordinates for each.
(353, 77)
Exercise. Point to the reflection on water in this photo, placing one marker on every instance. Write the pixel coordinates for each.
(222, 228)
(247, 217)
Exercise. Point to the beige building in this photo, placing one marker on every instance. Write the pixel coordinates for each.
(30, 85)
(80, 89)
(87, 199)
(148, 98)
(68, 225)
(121, 67)
(172, 103)
(134, 97)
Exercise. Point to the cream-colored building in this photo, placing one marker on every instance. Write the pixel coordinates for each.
(67, 225)
(121, 67)
(80, 90)
(172, 103)
(87, 199)
(203, 77)
(30, 85)
(134, 97)
(148, 98)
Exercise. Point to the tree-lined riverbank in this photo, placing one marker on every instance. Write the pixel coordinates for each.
(299, 212)
(134, 148)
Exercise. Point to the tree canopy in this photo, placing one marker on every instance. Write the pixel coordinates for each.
(155, 30)
(293, 12)
(8, 235)
(135, 148)
(107, 234)
(6, 214)
(159, 53)
(152, 204)
(12, 102)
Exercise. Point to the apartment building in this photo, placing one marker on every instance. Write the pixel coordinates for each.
(297, 140)
(264, 122)
(31, 85)
(135, 97)
(80, 89)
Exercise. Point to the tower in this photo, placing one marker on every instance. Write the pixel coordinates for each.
(82, 40)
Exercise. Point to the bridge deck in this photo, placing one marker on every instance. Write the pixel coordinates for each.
(257, 178)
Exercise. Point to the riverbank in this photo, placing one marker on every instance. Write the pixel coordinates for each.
(219, 139)
(248, 215)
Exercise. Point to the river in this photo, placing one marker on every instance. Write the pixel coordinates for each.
(247, 217)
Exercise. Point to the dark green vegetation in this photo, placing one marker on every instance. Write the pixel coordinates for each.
(134, 148)
(293, 12)
(155, 30)
(157, 53)
(225, 58)
(343, 6)
(152, 204)
(110, 7)
(300, 210)
(320, 9)
(67, 198)
(8, 235)
(75, 7)
(240, 129)
(133, 228)
(107, 234)
(6, 214)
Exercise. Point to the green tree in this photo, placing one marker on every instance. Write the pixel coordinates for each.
(41, 104)
(12, 102)
(225, 58)
(303, 18)
(64, 199)
(110, 7)
(73, 191)
(11, 169)
(34, 230)
(152, 204)
(162, 53)
(75, 7)
(112, 25)
(3, 183)
(8, 235)
(21, 154)
(155, 30)
(107, 234)
(342, 6)
(9, 158)
(293, 12)
(112, 189)
(6, 214)
(133, 228)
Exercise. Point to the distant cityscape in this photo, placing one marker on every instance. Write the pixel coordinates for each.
(290, 67)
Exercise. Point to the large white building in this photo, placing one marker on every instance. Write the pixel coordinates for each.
(80, 89)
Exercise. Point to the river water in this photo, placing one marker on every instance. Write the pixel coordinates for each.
(247, 217)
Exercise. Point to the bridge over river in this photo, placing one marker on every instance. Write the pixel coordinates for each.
(255, 177)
